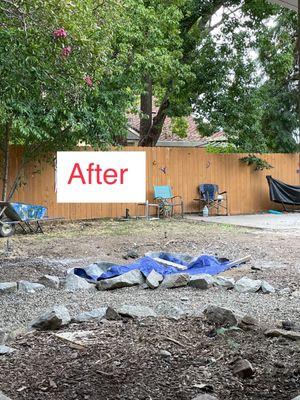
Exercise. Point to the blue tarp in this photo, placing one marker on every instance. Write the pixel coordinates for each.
(199, 265)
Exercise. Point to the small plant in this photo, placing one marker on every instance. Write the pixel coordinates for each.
(259, 163)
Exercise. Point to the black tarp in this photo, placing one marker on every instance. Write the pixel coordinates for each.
(283, 193)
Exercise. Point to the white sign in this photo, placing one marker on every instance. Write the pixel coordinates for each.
(101, 176)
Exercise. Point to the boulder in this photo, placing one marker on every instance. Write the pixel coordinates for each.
(74, 282)
(247, 285)
(8, 287)
(225, 282)
(266, 287)
(154, 279)
(50, 281)
(5, 349)
(95, 270)
(220, 316)
(165, 354)
(52, 319)
(284, 333)
(131, 278)
(29, 287)
(136, 311)
(243, 369)
(201, 281)
(175, 280)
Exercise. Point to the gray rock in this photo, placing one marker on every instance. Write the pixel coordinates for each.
(205, 396)
(165, 354)
(295, 398)
(50, 281)
(52, 319)
(136, 311)
(220, 316)
(247, 285)
(243, 369)
(8, 287)
(3, 336)
(170, 311)
(74, 282)
(284, 333)
(175, 280)
(201, 281)
(266, 287)
(5, 349)
(29, 287)
(248, 323)
(97, 314)
(131, 254)
(154, 279)
(184, 299)
(296, 293)
(225, 282)
(284, 291)
(97, 269)
(131, 278)
(3, 397)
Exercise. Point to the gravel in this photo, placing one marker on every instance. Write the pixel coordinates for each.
(72, 245)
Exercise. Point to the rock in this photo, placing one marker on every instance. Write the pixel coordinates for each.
(225, 282)
(165, 354)
(95, 270)
(130, 254)
(266, 287)
(153, 279)
(8, 287)
(284, 333)
(295, 398)
(205, 396)
(247, 285)
(131, 278)
(243, 369)
(50, 281)
(248, 323)
(3, 336)
(284, 291)
(220, 316)
(96, 314)
(5, 350)
(170, 311)
(256, 268)
(296, 293)
(52, 319)
(29, 287)
(291, 326)
(184, 299)
(74, 282)
(3, 397)
(175, 280)
(136, 311)
(201, 281)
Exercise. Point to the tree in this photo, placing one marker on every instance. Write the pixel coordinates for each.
(71, 70)
(226, 53)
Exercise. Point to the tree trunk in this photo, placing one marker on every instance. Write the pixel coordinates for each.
(5, 161)
(152, 136)
(146, 109)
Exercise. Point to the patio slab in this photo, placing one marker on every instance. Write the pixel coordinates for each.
(282, 222)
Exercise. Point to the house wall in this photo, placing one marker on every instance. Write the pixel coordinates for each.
(182, 168)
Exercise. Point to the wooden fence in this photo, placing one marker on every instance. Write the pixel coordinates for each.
(182, 168)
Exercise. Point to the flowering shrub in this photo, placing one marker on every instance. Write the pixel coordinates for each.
(60, 33)
(88, 80)
(66, 51)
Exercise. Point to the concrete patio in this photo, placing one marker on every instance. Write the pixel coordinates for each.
(283, 222)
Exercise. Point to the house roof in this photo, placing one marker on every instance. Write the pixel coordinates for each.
(193, 135)
(292, 4)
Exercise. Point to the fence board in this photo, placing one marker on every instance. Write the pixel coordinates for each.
(182, 168)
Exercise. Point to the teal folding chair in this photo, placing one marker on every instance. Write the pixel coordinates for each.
(166, 201)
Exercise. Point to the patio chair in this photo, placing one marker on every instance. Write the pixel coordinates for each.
(210, 197)
(166, 201)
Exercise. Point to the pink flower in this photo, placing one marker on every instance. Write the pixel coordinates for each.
(66, 51)
(88, 80)
(60, 33)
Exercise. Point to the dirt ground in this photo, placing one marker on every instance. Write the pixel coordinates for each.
(125, 361)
